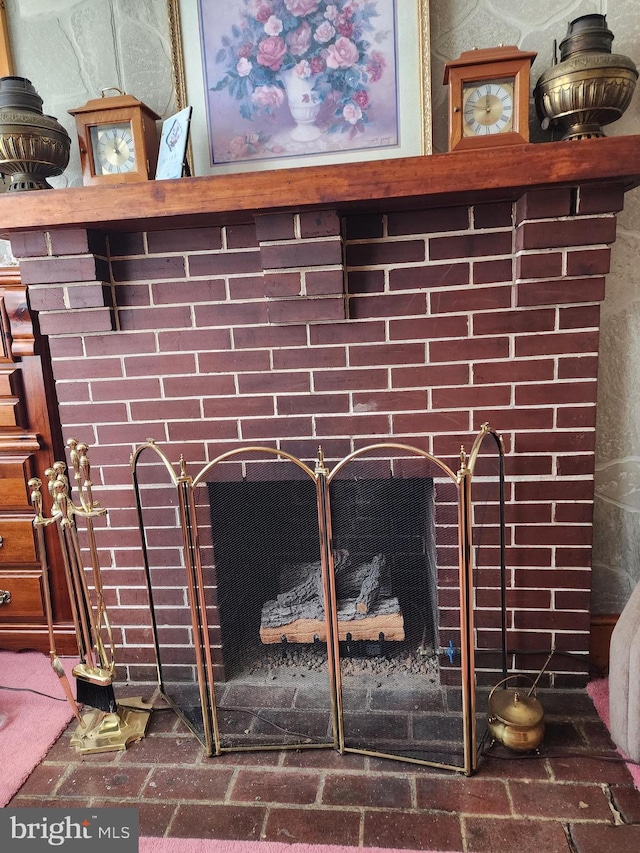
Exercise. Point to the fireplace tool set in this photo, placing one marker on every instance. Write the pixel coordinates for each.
(514, 718)
(104, 725)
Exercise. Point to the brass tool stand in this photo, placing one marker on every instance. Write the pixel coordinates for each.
(99, 730)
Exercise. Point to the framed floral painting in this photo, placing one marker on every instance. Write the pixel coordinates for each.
(6, 60)
(283, 83)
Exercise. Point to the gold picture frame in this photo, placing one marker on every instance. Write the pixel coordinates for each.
(6, 60)
(185, 42)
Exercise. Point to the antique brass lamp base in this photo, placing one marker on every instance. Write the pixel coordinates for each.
(33, 146)
(590, 87)
(100, 732)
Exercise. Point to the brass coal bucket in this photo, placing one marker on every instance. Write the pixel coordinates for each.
(515, 718)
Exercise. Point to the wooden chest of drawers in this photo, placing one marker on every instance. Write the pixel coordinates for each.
(29, 444)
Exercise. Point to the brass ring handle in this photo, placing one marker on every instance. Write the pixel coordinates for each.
(110, 89)
(5, 596)
(508, 678)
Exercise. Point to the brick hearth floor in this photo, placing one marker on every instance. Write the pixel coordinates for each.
(565, 801)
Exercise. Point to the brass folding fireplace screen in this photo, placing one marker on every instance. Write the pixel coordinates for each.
(304, 606)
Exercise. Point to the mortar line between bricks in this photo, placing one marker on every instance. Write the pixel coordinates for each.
(231, 785)
(463, 832)
(144, 786)
(413, 788)
(507, 785)
(322, 778)
(172, 819)
(569, 835)
(532, 818)
(608, 793)
(69, 770)
(294, 241)
(265, 821)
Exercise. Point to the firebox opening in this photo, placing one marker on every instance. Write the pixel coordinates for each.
(268, 576)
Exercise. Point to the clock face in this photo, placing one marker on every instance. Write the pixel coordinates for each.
(113, 149)
(487, 107)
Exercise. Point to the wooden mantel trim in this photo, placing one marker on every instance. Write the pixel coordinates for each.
(441, 179)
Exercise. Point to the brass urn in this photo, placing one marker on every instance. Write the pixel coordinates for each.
(590, 86)
(33, 146)
(515, 718)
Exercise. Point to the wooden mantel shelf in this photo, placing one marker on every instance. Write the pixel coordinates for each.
(407, 183)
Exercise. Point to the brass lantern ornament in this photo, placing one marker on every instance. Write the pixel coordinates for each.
(590, 86)
(33, 146)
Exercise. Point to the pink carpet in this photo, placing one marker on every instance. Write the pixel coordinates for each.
(33, 722)
(599, 693)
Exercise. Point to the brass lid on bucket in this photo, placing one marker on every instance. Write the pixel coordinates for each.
(515, 708)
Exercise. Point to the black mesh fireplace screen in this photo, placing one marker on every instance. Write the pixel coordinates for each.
(299, 606)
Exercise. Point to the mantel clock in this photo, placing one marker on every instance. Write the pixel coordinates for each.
(118, 139)
(488, 98)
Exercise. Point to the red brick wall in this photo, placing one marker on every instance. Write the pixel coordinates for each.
(296, 330)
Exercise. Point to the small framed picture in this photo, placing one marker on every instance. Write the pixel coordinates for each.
(173, 145)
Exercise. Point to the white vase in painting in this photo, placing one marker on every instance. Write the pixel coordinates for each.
(304, 105)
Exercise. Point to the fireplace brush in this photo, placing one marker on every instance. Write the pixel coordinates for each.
(107, 726)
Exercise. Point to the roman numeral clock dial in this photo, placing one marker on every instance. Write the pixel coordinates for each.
(113, 149)
(487, 108)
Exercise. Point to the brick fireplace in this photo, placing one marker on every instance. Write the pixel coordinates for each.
(344, 306)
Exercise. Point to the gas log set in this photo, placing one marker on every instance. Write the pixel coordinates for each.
(366, 610)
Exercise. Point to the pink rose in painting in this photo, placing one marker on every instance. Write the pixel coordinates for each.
(317, 64)
(345, 28)
(263, 12)
(331, 12)
(376, 66)
(244, 67)
(238, 147)
(352, 113)
(271, 52)
(273, 27)
(268, 96)
(361, 98)
(301, 7)
(342, 54)
(300, 39)
(324, 33)
(303, 69)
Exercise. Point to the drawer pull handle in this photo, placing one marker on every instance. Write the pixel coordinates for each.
(5, 596)
(1, 541)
